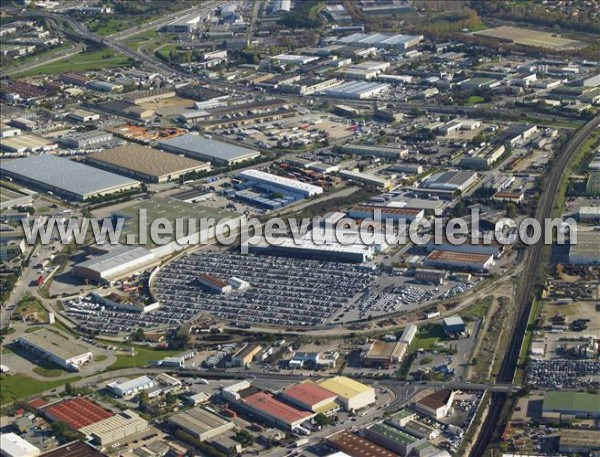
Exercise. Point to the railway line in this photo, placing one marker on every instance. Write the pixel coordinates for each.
(524, 297)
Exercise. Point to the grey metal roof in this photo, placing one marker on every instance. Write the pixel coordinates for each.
(195, 144)
(67, 175)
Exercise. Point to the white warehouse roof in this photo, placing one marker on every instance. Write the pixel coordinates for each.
(13, 445)
(118, 260)
(281, 181)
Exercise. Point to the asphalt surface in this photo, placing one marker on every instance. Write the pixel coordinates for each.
(493, 425)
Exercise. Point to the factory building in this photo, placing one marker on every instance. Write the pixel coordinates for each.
(56, 348)
(384, 152)
(311, 397)
(453, 325)
(131, 387)
(355, 446)
(352, 394)
(454, 181)
(147, 164)
(459, 260)
(115, 428)
(268, 408)
(568, 405)
(12, 445)
(117, 262)
(82, 140)
(588, 213)
(27, 143)
(381, 41)
(394, 439)
(469, 246)
(199, 147)
(187, 24)
(484, 158)
(70, 179)
(579, 441)
(201, 423)
(428, 276)
(436, 405)
(139, 97)
(244, 356)
(357, 89)
(80, 115)
(585, 252)
(516, 134)
(276, 183)
(408, 334)
(215, 285)
(382, 354)
(307, 249)
(395, 214)
(365, 178)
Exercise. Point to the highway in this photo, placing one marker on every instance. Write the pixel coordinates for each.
(493, 425)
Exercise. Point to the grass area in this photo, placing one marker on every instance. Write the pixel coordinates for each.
(426, 338)
(85, 61)
(49, 371)
(17, 386)
(143, 357)
(135, 41)
(31, 309)
(166, 49)
(475, 99)
(110, 26)
(535, 309)
(100, 358)
(479, 309)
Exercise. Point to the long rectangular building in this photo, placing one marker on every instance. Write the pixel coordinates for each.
(460, 260)
(365, 178)
(201, 423)
(352, 394)
(115, 263)
(396, 214)
(280, 183)
(115, 428)
(147, 164)
(268, 407)
(199, 147)
(70, 179)
(56, 348)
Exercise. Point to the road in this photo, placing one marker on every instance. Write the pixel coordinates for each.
(493, 425)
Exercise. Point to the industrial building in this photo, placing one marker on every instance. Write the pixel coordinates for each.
(76, 412)
(515, 135)
(408, 334)
(357, 89)
(267, 407)
(383, 354)
(201, 423)
(215, 285)
(65, 177)
(187, 24)
(82, 140)
(117, 262)
(484, 158)
(384, 152)
(203, 148)
(365, 178)
(588, 213)
(437, 405)
(352, 394)
(453, 325)
(244, 356)
(12, 445)
(80, 115)
(381, 40)
(56, 348)
(131, 387)
(568, 405)
(579, 441)
(460, 260)
(311, 397)
(387, 212)
(27, 143)
(585, 251)
(356, 446)
(276, 183)
(429, 276)
(115, 428)
(394, 439)
(352, 253)
(139, 97)
(454, 181)
(469, 246)
(147, 164)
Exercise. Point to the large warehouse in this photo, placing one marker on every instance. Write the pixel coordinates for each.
(460, 260)
(581, 405)
(146, 163)
(12, 445)
(383, 354)
(115, 428)
(585, 252)
(203, 148)
(279, 183)
(266, 406)
(381, 40)
(357, 89)
(201, 423)
(70, 179)
(451, 181)
(77, 412)
(352, 394)
(310, 396)
(56, 348)
(393, 213)
(117, 262)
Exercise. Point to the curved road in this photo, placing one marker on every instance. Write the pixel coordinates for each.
(523, 299)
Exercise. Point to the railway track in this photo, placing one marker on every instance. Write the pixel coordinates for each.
(492, 425)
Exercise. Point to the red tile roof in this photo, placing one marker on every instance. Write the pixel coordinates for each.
(78, 412)
(266, 403)
(308, 393)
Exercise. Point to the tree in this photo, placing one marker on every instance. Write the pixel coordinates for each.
(511, 210)
(138, 335)
(322, 420)
(69, 388)
(560, 268)
(144, 401)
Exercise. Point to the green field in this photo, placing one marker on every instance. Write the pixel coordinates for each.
(426, 338)
(85, 61)
(17, 387)
(475, 99)
(144, 356)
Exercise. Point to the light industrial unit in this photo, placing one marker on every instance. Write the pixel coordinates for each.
(203, 148)
(56, 348)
